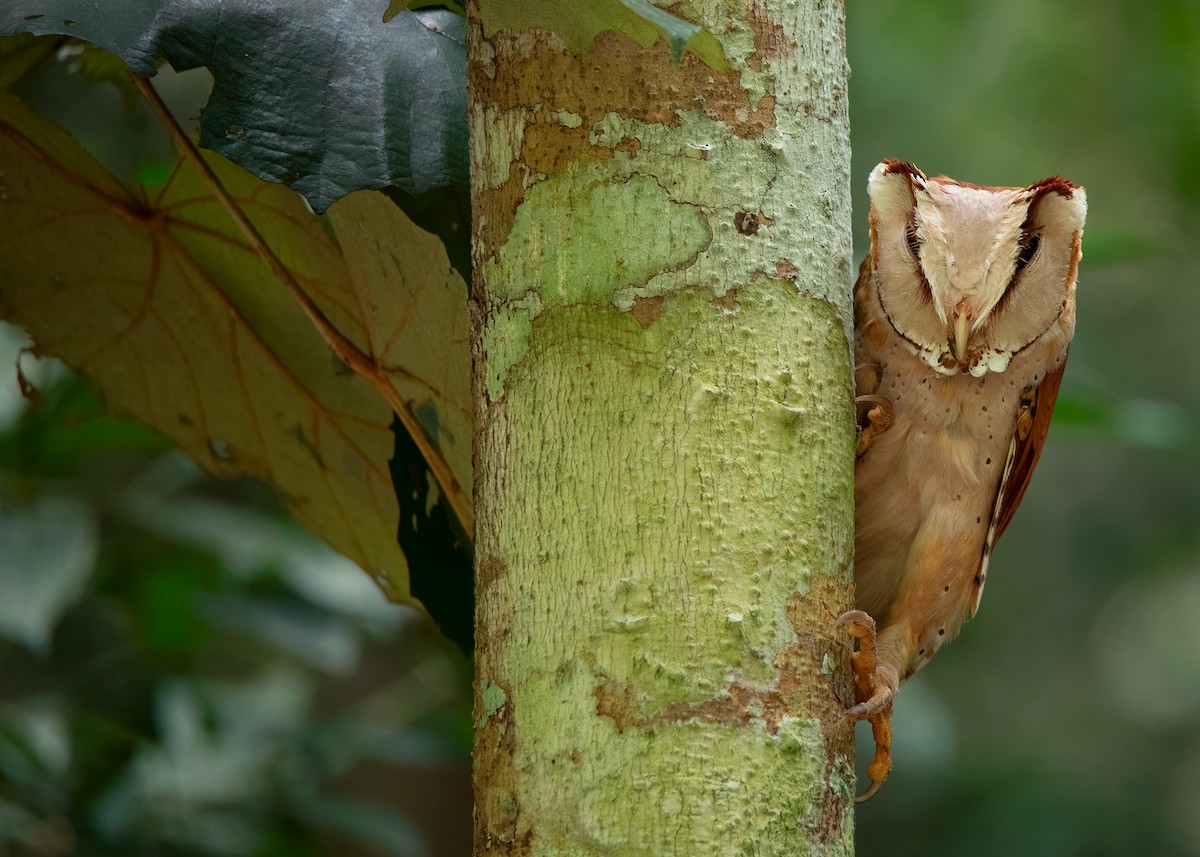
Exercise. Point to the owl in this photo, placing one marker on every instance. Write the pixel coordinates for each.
(963, 309)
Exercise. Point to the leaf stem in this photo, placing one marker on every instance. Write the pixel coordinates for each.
(349, 353)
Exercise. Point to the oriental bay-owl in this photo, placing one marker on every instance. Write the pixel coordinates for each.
(964, 309)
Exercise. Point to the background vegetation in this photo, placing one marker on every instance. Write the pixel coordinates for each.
(184, 672)
(1066, 718)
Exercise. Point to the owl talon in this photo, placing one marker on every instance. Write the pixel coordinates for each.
(876, 785)
(858, 712)
(874, 691)
(878, 419)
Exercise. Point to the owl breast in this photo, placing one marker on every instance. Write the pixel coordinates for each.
(964, 309)
(926, 489)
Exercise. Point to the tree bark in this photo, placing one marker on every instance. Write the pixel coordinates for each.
(665, 431)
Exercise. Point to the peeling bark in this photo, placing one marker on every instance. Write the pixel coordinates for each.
(665, 436)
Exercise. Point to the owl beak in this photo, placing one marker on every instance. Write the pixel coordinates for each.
(962, 333)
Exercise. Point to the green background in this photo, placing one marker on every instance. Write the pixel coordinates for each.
(1066, 718)
(186, 686)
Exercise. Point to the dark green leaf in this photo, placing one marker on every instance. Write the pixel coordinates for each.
(395, 7)
(321, 96)
(677, 30)
(20, 55)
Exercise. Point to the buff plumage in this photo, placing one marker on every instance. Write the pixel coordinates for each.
(964, 309)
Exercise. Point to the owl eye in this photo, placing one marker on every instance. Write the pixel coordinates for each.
(1027, 250)
(913, 242)
(1029, 246)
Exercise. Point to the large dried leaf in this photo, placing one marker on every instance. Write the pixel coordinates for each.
(321, 95)
(164, 304)
(416, 322)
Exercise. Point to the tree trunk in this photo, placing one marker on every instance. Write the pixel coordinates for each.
(665, 433)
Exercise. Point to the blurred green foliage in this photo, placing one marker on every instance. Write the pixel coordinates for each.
(184, 672)
(168, 690)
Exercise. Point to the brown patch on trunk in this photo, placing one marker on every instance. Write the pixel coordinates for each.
(493, 212)
(727, 302)
(648, 310)
(616, 702)
(629, 145)
(771, 40)
(785, 270)
(810, 611)
(498, 819)
(745, 222)
(535, 71)
(617, 74)
(800, 667)
(488, 570)
(549, 148)
(762, 117)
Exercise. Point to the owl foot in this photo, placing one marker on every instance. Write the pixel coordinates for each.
(874, 691)
(878, 419)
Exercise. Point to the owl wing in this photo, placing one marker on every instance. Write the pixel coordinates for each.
(1029, 435)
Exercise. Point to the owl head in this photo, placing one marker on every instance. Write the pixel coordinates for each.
(969, 276)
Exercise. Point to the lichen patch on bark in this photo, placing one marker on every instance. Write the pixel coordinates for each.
(604, 235)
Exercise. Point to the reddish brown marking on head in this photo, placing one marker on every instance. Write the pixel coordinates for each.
(894, 165)
(1054, 184)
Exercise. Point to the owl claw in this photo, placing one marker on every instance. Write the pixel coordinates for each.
(876, 785)
(874, 691)
(877, 420)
